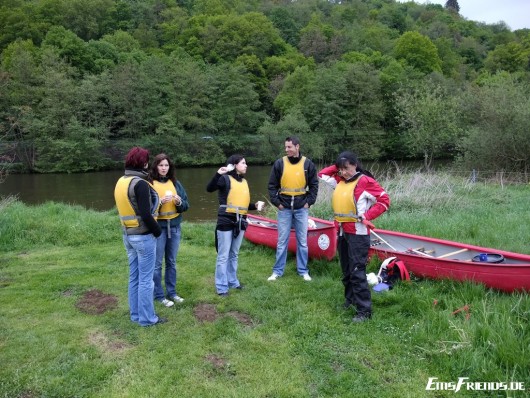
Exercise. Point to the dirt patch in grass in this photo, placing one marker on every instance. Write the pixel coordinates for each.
(95, 302)
(216, 361)
(208, 313)
(205, 312)
(101, 341)
(245, 319)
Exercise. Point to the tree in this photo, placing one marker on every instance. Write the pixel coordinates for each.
(511, 57)
(498, 115)
(430, 119)
(419, 52)
(452, 5)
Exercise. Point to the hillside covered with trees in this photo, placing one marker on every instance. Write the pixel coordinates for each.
(83, 80)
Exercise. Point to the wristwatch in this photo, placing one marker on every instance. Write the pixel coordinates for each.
(361, 218)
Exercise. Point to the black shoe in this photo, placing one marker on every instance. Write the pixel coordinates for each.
(240, 287)
(159, 322)
(223, 294)
(360, 318)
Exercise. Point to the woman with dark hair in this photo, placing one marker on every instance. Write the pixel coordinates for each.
(234, 203)
(357, 199)
(137, 203)
(174, 202)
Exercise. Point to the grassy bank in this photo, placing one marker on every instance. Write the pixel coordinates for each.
(282, 339)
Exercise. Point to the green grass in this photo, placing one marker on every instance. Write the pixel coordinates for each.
(296, 342)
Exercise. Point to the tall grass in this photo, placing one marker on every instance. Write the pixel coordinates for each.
(283, 339)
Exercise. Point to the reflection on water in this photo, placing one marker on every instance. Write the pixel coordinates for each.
(96, 190)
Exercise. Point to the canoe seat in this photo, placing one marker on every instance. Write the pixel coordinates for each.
(422, 249)
(453, 253)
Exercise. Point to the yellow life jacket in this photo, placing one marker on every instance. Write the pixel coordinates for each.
(238, 197)
(293, 181)
(343, 202)
(167, 210)
(128, 207)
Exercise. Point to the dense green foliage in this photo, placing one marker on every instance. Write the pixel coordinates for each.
(83, 80)
(289, 338)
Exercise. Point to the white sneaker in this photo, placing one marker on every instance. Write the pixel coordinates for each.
(306, 277)
(166, 302)
(273, 277)
(177, 299)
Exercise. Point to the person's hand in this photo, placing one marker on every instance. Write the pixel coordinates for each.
(306, 206)
(222, 170)
(368, 223)
(177, 200)
(280, 207)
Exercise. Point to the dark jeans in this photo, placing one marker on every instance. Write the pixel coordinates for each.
(353, 254)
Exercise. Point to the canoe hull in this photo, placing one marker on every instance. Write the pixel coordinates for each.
(321, 241)
(451, 260)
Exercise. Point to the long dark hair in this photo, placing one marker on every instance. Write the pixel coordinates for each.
(234, 159)
(348, 157)
(171, 174)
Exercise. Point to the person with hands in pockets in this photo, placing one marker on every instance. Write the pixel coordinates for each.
(357, 199)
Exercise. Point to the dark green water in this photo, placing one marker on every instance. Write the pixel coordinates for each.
(96, 190)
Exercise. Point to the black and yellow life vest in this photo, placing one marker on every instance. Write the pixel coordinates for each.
(293, 181)
(238, 197)
(128, 206)
(167, 210)
(343, 202)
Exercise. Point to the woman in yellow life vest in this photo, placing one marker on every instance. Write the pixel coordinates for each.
(137, 204)
(357, 199)
(234, 203)
(174, 202)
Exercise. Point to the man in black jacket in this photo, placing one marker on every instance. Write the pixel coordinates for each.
(293, 188)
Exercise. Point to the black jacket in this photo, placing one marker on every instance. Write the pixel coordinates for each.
(226, 221)
(311, 178)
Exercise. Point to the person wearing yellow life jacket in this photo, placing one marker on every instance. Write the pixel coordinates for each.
(234, 203)
(137, 203)
(293, 188)
(174, 202)
(358, 198)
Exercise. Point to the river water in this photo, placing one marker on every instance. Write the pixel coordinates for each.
(96, 190)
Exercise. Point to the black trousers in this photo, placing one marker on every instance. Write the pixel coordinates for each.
(353, 254)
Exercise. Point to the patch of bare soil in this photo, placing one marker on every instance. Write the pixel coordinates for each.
(245, 319)
(95, 302)
(208, 313)
(216, 361)
(205, 312)
(101, 341)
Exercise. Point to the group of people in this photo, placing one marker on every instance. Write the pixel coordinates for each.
(151, 201)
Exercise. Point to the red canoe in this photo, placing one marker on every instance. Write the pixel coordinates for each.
(423, 256)
(438, 259)
(321, 240)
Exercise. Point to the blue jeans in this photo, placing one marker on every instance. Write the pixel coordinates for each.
(298, 219)
(227, 256)
(168, 247)
(141, 253)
